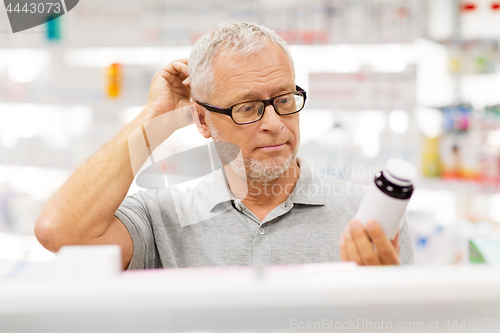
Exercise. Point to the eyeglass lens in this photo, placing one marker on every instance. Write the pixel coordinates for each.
(252, 111)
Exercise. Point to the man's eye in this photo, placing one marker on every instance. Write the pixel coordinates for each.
(246, 108)
(284, 100)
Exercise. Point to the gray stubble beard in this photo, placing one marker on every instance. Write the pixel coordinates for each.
(263, 172)
(253, 169)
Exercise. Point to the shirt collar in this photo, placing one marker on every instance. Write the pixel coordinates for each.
(219, 193)
(307, 190)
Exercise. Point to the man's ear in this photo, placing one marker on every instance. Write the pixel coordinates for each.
(198, 113)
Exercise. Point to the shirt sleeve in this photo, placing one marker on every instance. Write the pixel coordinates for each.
(133, 213)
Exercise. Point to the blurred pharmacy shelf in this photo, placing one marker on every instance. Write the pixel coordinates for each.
(160, 22)
(15, 248)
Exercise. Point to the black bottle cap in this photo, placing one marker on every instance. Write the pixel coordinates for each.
(393, 190)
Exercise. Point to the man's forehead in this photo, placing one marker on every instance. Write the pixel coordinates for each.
(256, 92)
(249, 91)
(246, 77)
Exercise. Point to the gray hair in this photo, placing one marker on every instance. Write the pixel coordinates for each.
(239, 39)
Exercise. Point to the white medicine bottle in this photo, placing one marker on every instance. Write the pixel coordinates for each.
(387, 196)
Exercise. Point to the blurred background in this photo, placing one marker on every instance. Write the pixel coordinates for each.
(416, 79)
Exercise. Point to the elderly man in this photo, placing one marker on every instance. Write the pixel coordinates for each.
(239, 84)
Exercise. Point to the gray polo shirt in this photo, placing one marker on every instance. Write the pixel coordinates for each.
(204, 225)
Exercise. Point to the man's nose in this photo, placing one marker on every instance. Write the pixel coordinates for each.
(271, 121)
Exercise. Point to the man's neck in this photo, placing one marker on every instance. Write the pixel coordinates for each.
(263, 197)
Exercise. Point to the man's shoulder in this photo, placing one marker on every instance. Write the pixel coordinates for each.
(147, 198)
(329, 189)
(336, 188)
(188, 190)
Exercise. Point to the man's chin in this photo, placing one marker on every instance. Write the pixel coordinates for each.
(269, 169)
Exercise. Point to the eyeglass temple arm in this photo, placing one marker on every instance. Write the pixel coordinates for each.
(302, 91)
(215, 108)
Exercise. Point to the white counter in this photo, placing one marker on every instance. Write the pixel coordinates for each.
(279, 298)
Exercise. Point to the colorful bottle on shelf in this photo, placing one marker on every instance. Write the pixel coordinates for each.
(54, 28)
(114, 80)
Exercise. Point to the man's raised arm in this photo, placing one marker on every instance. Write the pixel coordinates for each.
(82, 211)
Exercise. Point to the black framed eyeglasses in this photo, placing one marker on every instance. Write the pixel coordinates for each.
(252, 111)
